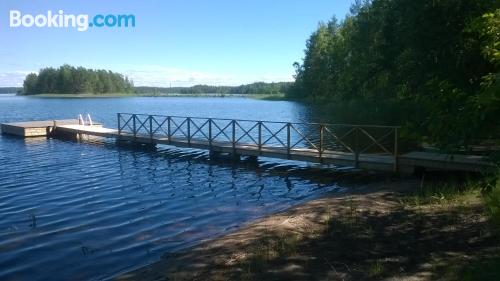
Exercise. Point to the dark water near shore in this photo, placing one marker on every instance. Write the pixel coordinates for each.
(86, 211)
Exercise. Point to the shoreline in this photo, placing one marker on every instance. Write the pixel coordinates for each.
(194, 262)
(278, 246)
(123, 95)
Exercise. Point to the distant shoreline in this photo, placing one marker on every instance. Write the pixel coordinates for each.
(273, 90)
(125, 95)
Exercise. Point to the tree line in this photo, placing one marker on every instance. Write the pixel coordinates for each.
(79, 80)
(257, 88)
(76, 80)
(10, 90)
(442, 57)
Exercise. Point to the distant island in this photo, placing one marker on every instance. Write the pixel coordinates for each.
(70, 80)
(10, 90)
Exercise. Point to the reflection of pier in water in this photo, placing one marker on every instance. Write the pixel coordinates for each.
(360, 146)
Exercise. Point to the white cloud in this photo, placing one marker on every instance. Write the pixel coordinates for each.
(13, 78)
(160, 76)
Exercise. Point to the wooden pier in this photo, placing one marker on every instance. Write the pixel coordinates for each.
(365, 147)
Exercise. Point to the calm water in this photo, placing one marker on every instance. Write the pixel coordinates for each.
(87, 211)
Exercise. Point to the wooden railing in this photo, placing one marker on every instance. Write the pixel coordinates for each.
(320, 138)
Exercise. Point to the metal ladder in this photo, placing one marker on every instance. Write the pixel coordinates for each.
(85, 122)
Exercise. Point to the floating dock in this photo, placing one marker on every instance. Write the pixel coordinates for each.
(34, 128)
(38, 128)
(331, 144)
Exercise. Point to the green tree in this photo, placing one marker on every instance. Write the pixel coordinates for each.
(30, 82)
(68, 79)
(441, 56)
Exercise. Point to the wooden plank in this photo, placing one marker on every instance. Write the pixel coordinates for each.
(457, 162)
(43, 124)
(96, 130)
(421, 155)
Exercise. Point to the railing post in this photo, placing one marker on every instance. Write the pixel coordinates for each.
(210, 132)
(260, 136)
(356, 147)
(119, 124)
(169, 132)
(189, 130)
(134, 126)
(234, 135)
(288, 141)
(321, 137)
(151, 127)
(396, 157)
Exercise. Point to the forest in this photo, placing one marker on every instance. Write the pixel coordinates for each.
(75, 80)
(431, 66)
(258, 88)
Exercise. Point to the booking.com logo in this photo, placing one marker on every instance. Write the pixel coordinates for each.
(61, 20)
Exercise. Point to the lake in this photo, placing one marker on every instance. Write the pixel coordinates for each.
(87, 211)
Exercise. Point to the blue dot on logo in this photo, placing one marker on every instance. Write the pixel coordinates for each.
(91, 24)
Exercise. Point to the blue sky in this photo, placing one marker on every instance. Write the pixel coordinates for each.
(174, 42)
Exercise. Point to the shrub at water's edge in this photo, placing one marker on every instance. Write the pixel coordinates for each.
(76, 80)
(492, 203)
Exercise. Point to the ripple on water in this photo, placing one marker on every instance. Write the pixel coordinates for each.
(90, 210)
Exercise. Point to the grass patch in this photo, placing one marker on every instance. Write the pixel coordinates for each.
(484, 271)
(445, 193)
(485, 192)
(492, 204)
(264, 254)
(376, 269)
